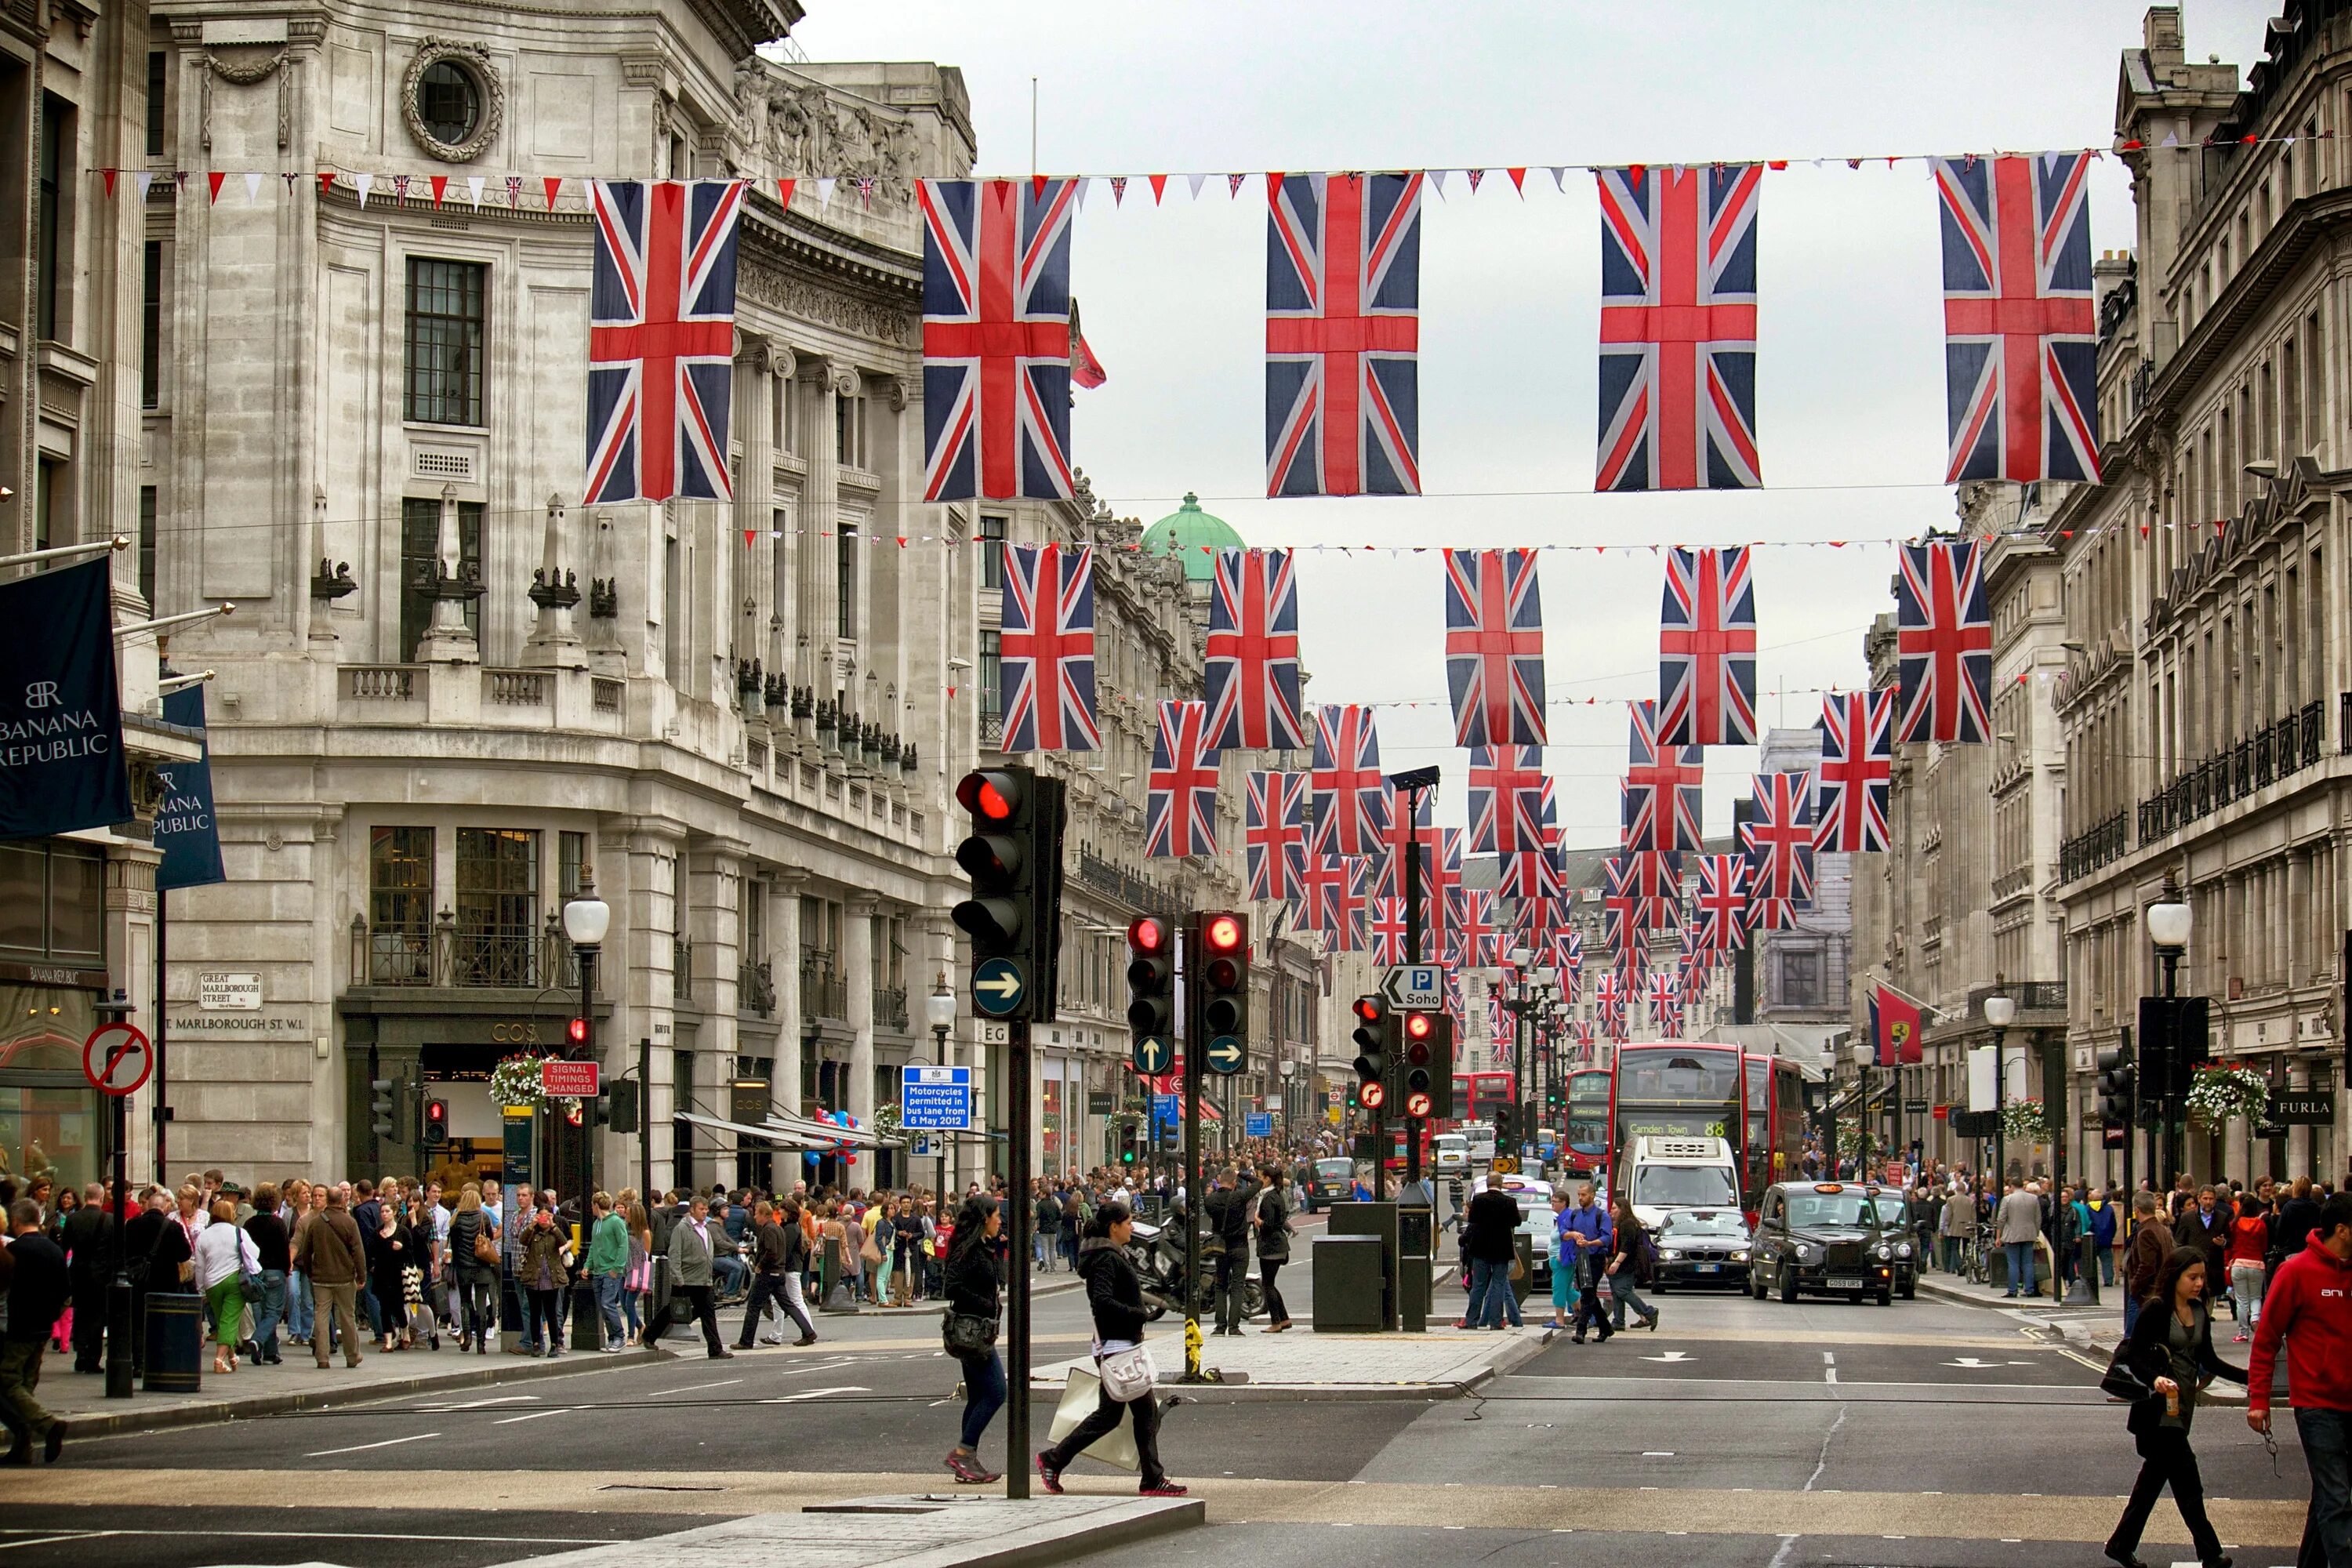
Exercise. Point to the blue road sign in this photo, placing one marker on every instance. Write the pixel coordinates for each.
(1153, 1055)
(998, 987)
(936, 1097)
(1257, 1124)
(1227, 1055)
(1165, 1109)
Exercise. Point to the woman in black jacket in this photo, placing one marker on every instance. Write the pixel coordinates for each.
(1273, 1245)
(971, 1282)
(1115, 1297)
(2171, 1351)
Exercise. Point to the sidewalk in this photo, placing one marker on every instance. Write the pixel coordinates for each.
(81, 1401)
(933, 1530)
(1443, 1363)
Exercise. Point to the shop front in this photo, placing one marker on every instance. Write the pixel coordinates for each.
(52, 1122)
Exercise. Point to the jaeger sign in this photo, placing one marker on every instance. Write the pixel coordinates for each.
(60, 715)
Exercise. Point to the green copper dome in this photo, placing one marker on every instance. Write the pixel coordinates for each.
(1184, 530)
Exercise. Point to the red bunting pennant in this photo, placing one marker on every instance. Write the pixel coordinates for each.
(1037, 186)
(1519, 180)
(553, 183)
(214, 177)
(326, 181)
(440, 187)
(1158, 187)
(746, 538)
(108, 177)
(1637, 171)
(784, 191)
(1776, 163)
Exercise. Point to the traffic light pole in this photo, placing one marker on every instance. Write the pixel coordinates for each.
(1018, 1225)
(1413, 928)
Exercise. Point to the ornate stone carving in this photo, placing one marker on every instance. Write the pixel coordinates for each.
(245, 73)
(798, 297)
(474, 59)
(809, 131)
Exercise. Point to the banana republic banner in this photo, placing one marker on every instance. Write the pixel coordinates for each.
(60, 716)
(185, 829)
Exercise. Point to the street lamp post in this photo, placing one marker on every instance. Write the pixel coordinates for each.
(2169, 920)
(586, 919)
(939, 1012)
(1864, 1054)
(1999, 1009)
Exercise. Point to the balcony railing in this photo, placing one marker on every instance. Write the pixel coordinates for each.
(890, 1008)
(824, 993)
(2085, 852)
(463, 955)
(2031, 995)
(2273, 753)
(755, 989)
(1124, 885)
(991, 729)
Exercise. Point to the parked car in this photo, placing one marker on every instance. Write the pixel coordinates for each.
(1825, 1238)
(1895, 1217)
(1701, 1247)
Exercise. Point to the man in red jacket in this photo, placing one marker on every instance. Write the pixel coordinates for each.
(2309, 1306)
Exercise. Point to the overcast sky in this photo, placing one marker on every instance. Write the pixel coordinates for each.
(1849, 398)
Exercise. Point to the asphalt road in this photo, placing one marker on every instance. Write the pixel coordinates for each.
(1742, 1432)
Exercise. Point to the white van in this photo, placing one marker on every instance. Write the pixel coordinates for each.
(1681, 1173)
(1450, 1152)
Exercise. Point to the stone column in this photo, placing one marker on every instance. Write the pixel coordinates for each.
(857, 963)
(450, 640)
(552, 643)
(784, 919)
(815, 619)
(646, 911)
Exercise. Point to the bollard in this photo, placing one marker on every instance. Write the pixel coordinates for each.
(2085, 1291)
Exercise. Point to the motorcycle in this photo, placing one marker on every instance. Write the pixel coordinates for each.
(1158, 1254)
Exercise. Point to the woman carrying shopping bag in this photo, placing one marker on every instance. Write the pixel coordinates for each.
(1115, 1297)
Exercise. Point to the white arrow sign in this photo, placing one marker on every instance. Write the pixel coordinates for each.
(1670, 1357)
(1972, 1364)
(1417, 986)
(1003, 984)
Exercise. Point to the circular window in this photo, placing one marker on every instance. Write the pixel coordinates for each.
(449, 103)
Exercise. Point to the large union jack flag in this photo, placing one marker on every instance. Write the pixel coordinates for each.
(1609, 997)
(1342, 335)
(996, 338)
(1494, 648)
(1337, 895)
(661, 339)
(1471, 942)
(1351, 798)
(1510, 799)
(1666, 995)
(1857, 769)
(1707, 649)
(1275, 834)
(1722, 923)
(1663, 791)
(1780, 845)
(1252, 668)
(1678, 328)
(1655, 879)
(1046, 672)
(1581, 1035)
(1533, 876)
(1943, 643)
(1180, 800)
(2021, 327)
(1388, 929)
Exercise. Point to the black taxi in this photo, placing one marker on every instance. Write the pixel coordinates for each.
(1823, 1237)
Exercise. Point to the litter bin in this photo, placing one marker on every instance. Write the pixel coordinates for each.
(175, 1343)
(1351, 1284)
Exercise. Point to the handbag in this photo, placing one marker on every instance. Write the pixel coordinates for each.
(1115, 1447)
(1126, 1375)
(2119, 1381)
(963, 1333)
(485, 1249)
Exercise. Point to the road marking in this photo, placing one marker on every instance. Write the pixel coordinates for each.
(814, 1394)
(478, 1404)
(364, 1447)
(330, 1535)
(1829, 1367)
(53, 1540)
(1670, 1357)
(533, 1415)
(697, 1388)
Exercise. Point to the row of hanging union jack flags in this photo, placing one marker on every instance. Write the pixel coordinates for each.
(1679, 313)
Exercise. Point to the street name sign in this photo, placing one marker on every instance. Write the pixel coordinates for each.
(1419, 987)
(937, 1099)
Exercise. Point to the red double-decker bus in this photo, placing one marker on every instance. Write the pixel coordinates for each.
(1585, 1140)
(1688, 1088)
(1775, 1130)
(1477, 1094)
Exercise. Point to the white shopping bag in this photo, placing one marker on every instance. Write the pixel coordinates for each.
(1079, 1396)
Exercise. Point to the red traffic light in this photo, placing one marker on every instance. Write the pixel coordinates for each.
(1373, 1096)
(1222, 933)
(1370, 1009)
(1147, 935)
(1418, 1026)
(576, 1031)
(1416, 1105)
(989, 796)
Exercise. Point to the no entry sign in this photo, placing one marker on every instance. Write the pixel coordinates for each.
(117, 1058)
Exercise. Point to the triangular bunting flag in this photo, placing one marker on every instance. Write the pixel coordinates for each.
(552, 183)
(514, 192)
(1437, 181)
(363, 182)
(399, 187)
(1196, 182)
(1519, 181)
(1476, 177)
(1159, 187)
(326, 181)
(214, 177)
(749, 534)
(146, 178)
(1558, 173)
(252, 186)
(864, 185)
(440, 183)
(108, 174)
(825, 190)
(291, 179)
(1119, 190)
(785, 192)
(1233, 183)
(474, 188)
(1776, 163)
(1037, 186)
(1084, 181)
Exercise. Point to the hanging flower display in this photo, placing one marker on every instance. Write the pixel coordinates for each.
(887, 1121)
(2025, 1121)
(2216, 1094)
(515, 1080)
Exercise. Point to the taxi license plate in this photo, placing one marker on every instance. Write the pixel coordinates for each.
(1842, 1284)
(1707, 1269)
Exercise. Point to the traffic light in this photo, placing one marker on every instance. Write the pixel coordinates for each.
(621, 1105)
(1419, 1031)
(2118, 1086)
(1372, 1037)
(1506, 1129)
(1150, 1000)
(575, 1033)
(1013, 858)
(1220, 977)
(384, 1110)
(436, 1121)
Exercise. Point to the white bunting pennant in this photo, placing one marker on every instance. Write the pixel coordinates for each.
(474, 187)
(363, 182)
(252, 188)
(825, 190)
(144, 179)
(1197, 180)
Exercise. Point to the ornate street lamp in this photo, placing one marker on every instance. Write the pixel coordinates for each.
(586, 919)
(939, 1012)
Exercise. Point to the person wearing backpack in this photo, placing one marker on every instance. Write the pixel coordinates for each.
(1629, 1264)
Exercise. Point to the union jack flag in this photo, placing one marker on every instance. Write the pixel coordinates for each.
(1424, 831)
(2021, 327)
(1943, 643)
(1510, 798)
(1857, 769)
(1494, 648)
(1568, 950)
(1722, 903)
(1351, 798)
(1533, 876)
(1620, 909)
(1342, 335)
(1046, 646)
(661, 339)
(1707, 649)
(1655, 879)
(1252, 668)
(1473, 936)
(1581, 1035)
(1610, 1001)
(1779, 840)
(996, 338)
(1334, 899)
(1275, 834)
(1663, 792)
(1666, 995)
(1678, 328)
(1388, 926)
(1181, 799)
(1771, 914)
(1442, 887)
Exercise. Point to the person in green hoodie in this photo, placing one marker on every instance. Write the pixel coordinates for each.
(608, 1268)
